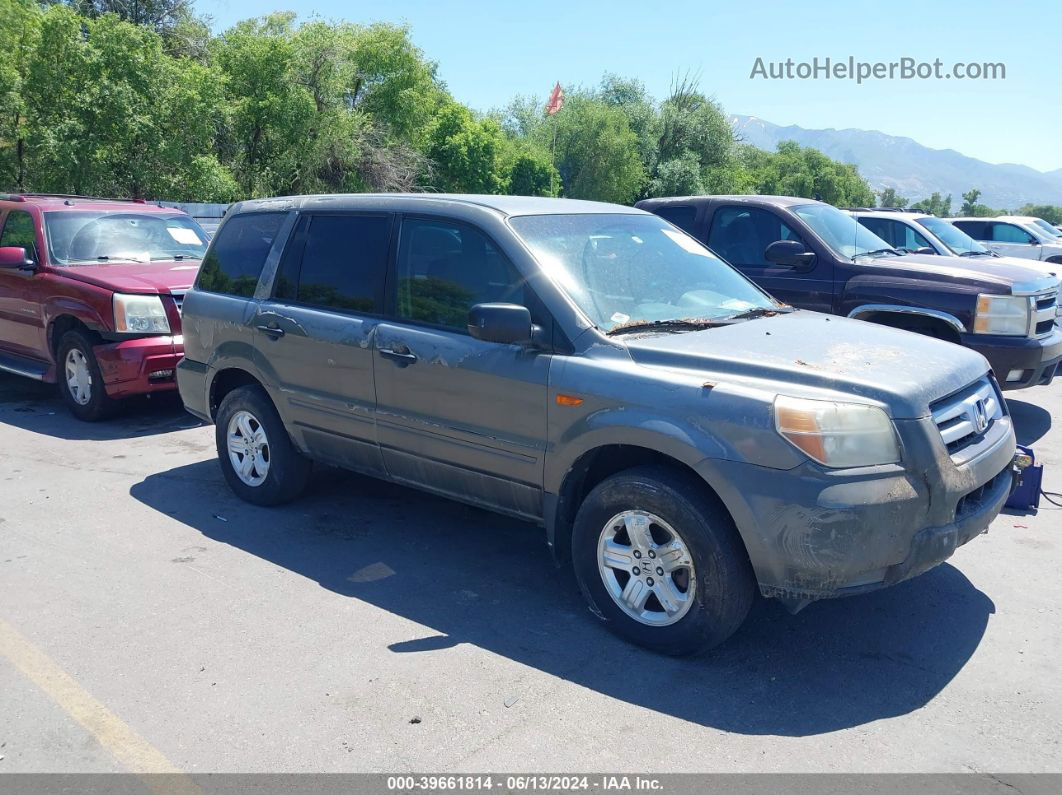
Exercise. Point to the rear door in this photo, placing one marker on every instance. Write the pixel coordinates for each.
(740, 234)
(313, 335)
(456, 415)
(21, 320)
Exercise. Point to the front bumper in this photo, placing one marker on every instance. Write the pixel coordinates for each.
(814, 533)
(1037, 359)
(139, 366)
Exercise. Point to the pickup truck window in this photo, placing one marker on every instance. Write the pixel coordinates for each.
(681, 215)
(19, 231)
(841, 232)
(623, 269)
(239, 252)
(896, 233)
(1009, 233)
(444, 269)
(78, 237)
(741, 235)
(340, 263)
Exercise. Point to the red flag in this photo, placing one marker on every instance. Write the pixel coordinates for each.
(556, 100)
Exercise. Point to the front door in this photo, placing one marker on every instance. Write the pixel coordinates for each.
(1010, 240)
(21, 319)
(455, 415)
(741, 234)
(313, 336)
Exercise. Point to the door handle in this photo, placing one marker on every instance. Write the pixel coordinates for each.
(399, 355)
(273, 331)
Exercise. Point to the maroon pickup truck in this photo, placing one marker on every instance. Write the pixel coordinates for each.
(90, 295)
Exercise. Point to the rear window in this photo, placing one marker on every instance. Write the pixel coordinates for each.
(238, 254)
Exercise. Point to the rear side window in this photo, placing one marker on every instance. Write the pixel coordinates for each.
(19, 232)
(681, 216)
(883, 228)
(337, 262)
(975, 229)
(235, 260)
(1008, 233)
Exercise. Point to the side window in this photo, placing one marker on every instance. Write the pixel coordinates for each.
(741, 235)
(337, 262)
(884, 228)
(1009, 233)
(975, 229)
(444, 269)
(238, 254)
(913, 240)
(681, 216)
(19, 231)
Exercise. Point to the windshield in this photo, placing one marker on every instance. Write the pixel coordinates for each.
(954, 238)
(627, 269)
(1052, 231)
(78, 237)
(841, 232)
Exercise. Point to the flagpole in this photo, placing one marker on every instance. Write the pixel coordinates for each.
(553, 160)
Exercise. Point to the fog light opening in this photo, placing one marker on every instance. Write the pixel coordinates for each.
(1015, 375)
(160, 374)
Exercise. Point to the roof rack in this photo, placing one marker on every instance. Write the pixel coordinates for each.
(24, 195)
(889, 210)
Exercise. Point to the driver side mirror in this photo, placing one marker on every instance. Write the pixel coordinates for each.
(15, 258)
(789, 254)
(504, 323)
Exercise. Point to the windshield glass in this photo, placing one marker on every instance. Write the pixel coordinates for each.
(1040, 222)
(78, 237)
(954, 238)
(841, 232)
(624, 269)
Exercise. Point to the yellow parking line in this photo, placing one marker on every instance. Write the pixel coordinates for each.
(134, 753)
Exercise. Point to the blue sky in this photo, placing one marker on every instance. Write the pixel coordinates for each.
(489, 51)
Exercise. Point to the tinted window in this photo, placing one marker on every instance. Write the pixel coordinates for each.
(19, 232)
(1008, 233)
(975, 229)
(235, 260)
(681, 216)
(337, 262)
(741, 235)
(444, 269)
(887, 230)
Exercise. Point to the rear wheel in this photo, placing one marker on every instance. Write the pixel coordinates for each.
(256, 454)
(660, 562)
(80, 379)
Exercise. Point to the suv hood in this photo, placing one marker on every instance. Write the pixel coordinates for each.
(1043, 268)
(983, 274)
(904, 371)
(137, 277)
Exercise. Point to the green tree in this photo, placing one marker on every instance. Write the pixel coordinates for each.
(935, 205)
(531, 174)
(19, 33)
(1051, 213)
(596, 151)
(970, 205)
(466, 152)
(889, 198)
(802, 171)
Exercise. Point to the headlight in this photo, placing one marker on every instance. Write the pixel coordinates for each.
(140, 314)
(1003, 314)
(837, 434)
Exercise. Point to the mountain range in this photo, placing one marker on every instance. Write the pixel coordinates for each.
(914, 170)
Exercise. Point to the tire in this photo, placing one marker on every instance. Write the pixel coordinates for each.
(669, 504)
(276, 472)
(80, 380)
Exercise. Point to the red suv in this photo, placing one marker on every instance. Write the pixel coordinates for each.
(90, 295)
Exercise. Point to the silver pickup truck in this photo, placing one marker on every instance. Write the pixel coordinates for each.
(684, 438)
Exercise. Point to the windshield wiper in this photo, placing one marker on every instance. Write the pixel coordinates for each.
(759, 311)
(878, 252)
(678, 324)
(976, 254)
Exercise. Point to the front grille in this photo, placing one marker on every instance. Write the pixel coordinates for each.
(965, 416)
(1046, 311)
(971, 502)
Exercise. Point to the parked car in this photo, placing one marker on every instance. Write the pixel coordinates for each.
(90, 295)
(683, 437)
(1013, 236)
(814, 256)
(920, 233)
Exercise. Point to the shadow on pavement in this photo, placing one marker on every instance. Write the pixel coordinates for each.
(1031, 422)
(37, 407)
(478, 578)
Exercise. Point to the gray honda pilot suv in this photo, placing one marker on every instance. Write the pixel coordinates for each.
(683, 437)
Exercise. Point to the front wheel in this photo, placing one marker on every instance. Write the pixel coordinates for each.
(660, 562)
(80, 379)
(255, 451)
